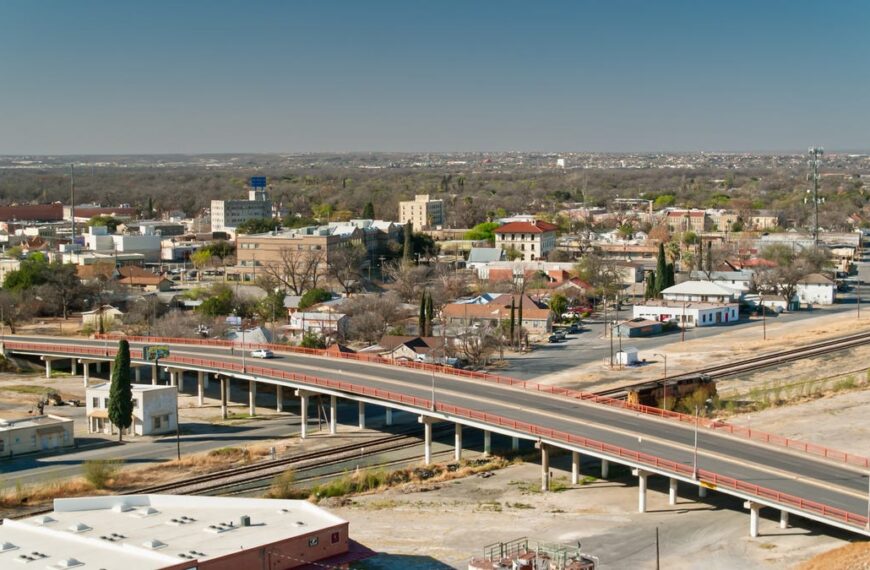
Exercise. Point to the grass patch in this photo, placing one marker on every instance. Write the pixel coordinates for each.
(100, 472)
(282, 487)
(519, 506)
(26, 389)
(491, 506)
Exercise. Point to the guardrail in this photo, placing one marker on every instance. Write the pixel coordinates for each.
(717, 425)
(704, 476)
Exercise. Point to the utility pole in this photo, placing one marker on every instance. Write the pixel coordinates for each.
(72, 202)
(815, 153)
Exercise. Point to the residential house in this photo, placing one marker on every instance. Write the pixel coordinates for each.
(134, 276)
(533, 240)
(415, 348)
(537, 319)
(816, 289)
(327, 325)
(101, 318)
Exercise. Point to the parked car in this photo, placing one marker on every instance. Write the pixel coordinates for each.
(262, 353)
(574, 328)
(555, 338)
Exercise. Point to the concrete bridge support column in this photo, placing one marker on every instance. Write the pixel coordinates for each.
(99, 367)
(86, 372)
(200, 388)
(48, 362)
(754, 511)
(702, 491)
(388, 416)
(457, 443)
(333, 415)
(605, 468)
(641, 489)
(362, 415)
(279, 399)
(303, 412)
(672, 491)
(783, 519)
(252, 398)
(179, 375)
(137, 374)
(545, 468)
(427, 438)
(223, 397)
(173, 379)
(72, 366)
(111, 369)
(487, 443)
(155, 373)
(575, 467)
(515, 443)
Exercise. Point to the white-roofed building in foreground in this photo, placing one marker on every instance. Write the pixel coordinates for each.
(144, 532)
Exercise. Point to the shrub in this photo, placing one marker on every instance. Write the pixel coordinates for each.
(282, 486)
(98, 472)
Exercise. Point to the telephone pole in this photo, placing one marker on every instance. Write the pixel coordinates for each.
(815, 159)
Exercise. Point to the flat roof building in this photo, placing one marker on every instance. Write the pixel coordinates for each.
(154, 409)
(37, 433)
(422, 212)
(145, 532)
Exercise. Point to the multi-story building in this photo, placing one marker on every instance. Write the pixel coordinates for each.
(688, 220)
(154, 409)
(422, 212)
(534, 239)
(99, 240)
(256, 251)
(227, 215)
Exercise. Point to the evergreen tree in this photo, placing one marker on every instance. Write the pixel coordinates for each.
(709, 265)
(406, 251)
(120, 393)
(149, 213)
(513, 321)
(671, 280)
(368, 212)
(650, 292)
(661, 274)
(520, 321)
(430, 310)
(421, 320)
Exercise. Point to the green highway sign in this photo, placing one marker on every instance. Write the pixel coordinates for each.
(155, 352)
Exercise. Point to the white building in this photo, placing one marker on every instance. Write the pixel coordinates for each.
(534, 239)
(154, 409)
(816, 289)
(99, 240)
(227, 215)
(688, 313)
(150, 532)
(37, 433)
(422, 212)
(739, 281)
(703, 291)
(322, 324)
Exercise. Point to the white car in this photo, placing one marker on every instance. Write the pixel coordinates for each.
(262, 353)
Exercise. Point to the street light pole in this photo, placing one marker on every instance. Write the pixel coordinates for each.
(695, 452)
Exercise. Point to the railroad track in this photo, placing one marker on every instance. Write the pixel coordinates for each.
(213, 483)
(750, 364)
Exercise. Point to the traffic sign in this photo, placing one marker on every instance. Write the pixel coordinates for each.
(234, 320)
(155, 352)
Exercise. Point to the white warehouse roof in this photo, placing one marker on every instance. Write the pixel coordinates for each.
(706, 288)
(136, 532)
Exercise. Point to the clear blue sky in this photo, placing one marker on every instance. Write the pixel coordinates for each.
(287, 76)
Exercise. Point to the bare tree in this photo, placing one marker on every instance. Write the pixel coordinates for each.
(408, 280)
(14, 309)
(297, 270)
(372, 315)
(601, 273)
(478, 345)
(345, 266)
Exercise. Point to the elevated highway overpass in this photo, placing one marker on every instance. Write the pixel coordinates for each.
(764, 470)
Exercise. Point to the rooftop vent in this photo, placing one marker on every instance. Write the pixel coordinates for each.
(154, 544)
(32, 557)
(146, 512)
(180, 521)
(121, 508)
(80, 527)
(7, 546)
(68, 563)
(114, 537)
(44, 520)
(220, 527)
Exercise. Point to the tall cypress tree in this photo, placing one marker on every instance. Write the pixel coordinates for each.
(709, 266)
(430, 311)
(120, 393)
(520, 321)
(406, 252)
(671, 278)
(513, 322)
(661, 274)
(421, 320)
(650, 292)
(368, 212)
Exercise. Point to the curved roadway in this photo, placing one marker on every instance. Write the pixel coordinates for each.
(785, 471)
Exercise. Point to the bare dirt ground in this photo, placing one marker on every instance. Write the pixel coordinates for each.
(733, 343)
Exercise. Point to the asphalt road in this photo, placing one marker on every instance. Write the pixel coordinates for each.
(591, 346)
(771, 467)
